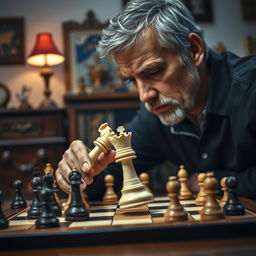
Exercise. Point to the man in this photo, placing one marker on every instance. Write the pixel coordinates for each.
(199, 107)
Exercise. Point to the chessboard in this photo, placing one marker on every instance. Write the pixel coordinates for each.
(110, 224)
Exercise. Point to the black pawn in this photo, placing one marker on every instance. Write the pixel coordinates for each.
(19, 201)
(36, 172)
(76, 211)
(47, 218)
(3, 221)
(233, 206)
(35, 208)
(48, 181)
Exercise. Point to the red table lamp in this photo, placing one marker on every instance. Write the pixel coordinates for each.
(45, 54)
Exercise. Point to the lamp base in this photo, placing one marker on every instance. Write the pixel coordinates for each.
(46, 73)
(48, 103)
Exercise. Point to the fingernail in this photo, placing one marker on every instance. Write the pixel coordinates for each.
(88, 179)
(85, 166)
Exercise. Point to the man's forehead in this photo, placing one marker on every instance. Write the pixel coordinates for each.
(143, 49)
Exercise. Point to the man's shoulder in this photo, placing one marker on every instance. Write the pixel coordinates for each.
(242, 69)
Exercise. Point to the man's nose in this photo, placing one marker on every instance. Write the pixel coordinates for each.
(146, 92)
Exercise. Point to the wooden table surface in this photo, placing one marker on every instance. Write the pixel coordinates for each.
(224, 247)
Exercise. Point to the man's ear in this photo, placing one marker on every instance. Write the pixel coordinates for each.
(196, 48)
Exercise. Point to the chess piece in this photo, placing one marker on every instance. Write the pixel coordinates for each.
(48, 181)
(224, 188)
(201, 196)
(77, 210)
(134, 192)
(211, 210)
(49, 169)
(110, 195)
(102, 144)
(3, 221)
(36, 206)
(233, 206)
(19, 201)
(47, 218)
(36, 172)
(183, 178)
(144, 177)
(175, 212)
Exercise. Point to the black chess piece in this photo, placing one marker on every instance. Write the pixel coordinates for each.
(47, 218)
(4, 223)
(48, 181)
(19, 201)
(36, 172)
(36, 206)
(233, 206)
(77, 210)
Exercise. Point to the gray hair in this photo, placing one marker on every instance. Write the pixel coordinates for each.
(170, 19)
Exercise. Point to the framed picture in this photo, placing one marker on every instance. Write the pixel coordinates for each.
(85, 71)
(12, 41)
(248, 9)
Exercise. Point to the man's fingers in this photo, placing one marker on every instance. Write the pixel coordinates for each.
(103, 161)
(81, 153)
(62, 183)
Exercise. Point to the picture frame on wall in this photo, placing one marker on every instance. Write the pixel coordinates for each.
(12, 41)
(248, 10)
(85, 71)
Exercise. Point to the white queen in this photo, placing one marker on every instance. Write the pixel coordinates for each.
(134, 192)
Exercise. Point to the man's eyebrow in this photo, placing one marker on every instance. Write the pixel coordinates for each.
(149, 67)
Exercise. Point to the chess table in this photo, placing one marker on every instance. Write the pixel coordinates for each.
(110, 227)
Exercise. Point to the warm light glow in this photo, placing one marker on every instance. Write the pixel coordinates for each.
(45, 53)
(45, 60)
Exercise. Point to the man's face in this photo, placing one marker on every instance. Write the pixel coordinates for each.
(168, 88)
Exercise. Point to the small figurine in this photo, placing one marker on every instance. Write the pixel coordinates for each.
(23, 97)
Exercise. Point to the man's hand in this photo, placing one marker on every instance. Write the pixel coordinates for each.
(77, 155)
(193, 183)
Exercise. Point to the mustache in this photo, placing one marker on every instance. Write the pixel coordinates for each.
(162, 101)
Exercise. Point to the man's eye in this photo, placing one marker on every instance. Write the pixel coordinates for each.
(129, 80)
(153, 73)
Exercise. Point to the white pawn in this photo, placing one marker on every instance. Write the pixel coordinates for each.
(224, 188)
(175, 212)
(144, 177)
(183, 178)
(110, 195)
(211, 209)
(201, 196)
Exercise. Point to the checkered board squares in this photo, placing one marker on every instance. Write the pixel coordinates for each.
(136, 215)
(103, 215)
(107, 214)
(100, 215)
(160, 204)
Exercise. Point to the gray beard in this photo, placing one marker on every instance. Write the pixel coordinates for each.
(182, 110)
(172, 118)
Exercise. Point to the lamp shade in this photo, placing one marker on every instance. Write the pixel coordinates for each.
(45, 53)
